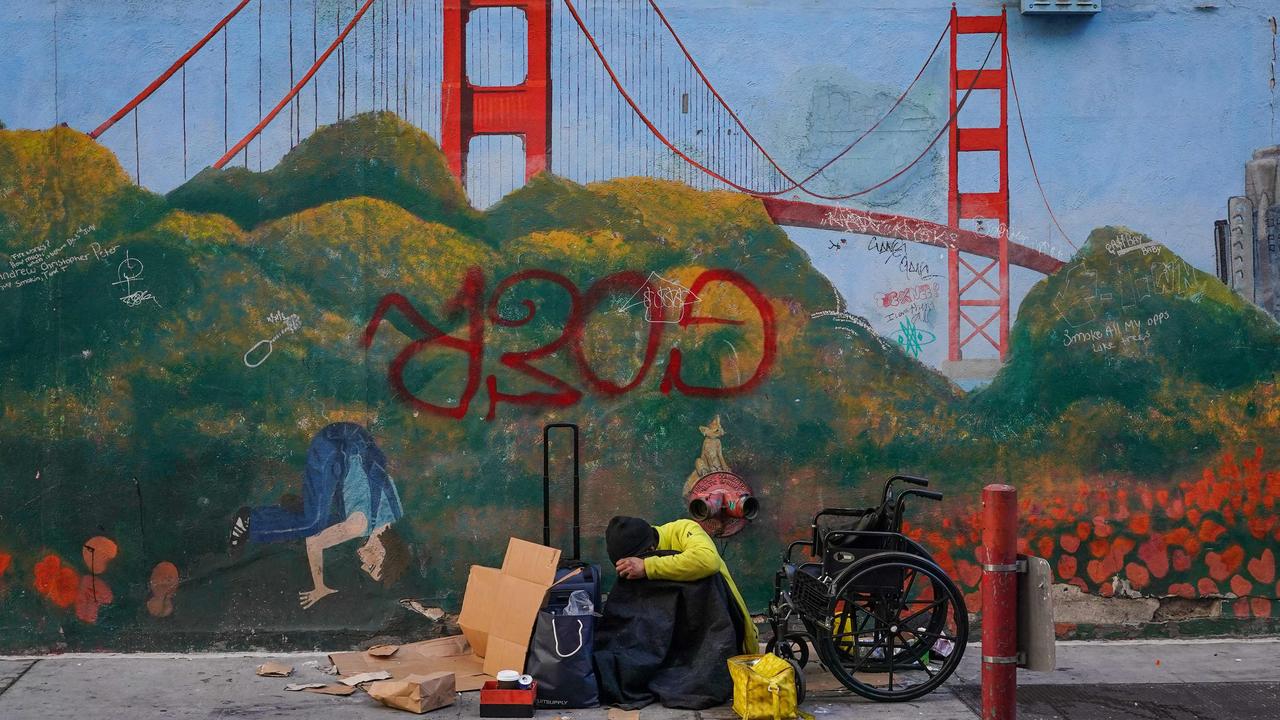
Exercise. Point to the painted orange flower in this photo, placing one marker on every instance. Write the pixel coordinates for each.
(97, 553)
(93, 594)
(56, 581)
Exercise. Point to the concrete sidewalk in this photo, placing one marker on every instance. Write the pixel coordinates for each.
(1158, 679)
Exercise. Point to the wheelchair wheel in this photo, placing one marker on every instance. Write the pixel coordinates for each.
(797, 670)
(794, 647)
(898, 627)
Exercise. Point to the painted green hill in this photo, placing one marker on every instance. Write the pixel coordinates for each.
(372, 154)
(550, 202)
(1128, 358)
(56, 182)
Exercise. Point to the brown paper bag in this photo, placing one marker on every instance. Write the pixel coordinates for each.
(416, 693)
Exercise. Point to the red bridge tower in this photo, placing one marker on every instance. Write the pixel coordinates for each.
(469, 110)
(983, 297)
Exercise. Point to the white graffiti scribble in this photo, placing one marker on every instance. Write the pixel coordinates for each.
(667, 296)
(1125, 243)
(291, 323)
(130, 271)
(850, 220)
(844, 319)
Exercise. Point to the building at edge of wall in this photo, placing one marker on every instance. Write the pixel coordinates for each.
(1247, 243)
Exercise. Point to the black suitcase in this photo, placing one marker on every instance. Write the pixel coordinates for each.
(561, 649)
(589, 576)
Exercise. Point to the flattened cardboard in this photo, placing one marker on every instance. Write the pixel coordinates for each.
(275, 669)
(451, 654)
(383, 650)
(338, 689)
(365, 677)
(500, 606)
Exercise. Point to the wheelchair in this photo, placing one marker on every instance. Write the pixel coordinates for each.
(883, 617)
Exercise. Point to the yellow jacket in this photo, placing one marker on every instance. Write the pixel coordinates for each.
(697, 559)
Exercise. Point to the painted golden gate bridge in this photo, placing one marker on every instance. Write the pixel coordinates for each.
(427, 61)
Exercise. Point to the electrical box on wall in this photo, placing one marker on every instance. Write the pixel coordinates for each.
(1061, 7)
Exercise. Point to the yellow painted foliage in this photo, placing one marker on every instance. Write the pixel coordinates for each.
(686, 218)
(351, 252)
(51, 183)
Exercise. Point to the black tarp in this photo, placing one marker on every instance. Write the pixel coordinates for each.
(668, 642)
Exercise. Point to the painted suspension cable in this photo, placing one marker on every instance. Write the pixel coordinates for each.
(296, 88)
(795, 184)
(1013, 83)
(595, 46)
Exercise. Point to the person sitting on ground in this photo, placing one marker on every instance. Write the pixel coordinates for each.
(679, 550)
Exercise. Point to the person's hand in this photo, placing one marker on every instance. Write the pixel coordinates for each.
(311, 597)
(630, 568)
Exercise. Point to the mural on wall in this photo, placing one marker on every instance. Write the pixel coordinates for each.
(346, 495)
(352, 326)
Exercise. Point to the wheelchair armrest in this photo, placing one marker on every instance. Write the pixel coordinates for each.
(786, 556)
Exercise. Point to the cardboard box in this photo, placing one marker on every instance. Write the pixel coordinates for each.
(500, 607)
(498, 703)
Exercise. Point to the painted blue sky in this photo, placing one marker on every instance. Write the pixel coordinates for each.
(1142, 115)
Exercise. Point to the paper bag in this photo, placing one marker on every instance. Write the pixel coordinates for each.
(416, 693)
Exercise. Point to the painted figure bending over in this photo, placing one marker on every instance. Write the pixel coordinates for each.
(346, 495)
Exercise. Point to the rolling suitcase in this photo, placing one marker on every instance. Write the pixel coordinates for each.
(561, 650)
(589, 577)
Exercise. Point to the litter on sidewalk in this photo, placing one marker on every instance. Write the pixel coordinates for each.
(296, 687)
(335, 689)
(365, 677)
(275, 669)
(447, 654)
(416, 693)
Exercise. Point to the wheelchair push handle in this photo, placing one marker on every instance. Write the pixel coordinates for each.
(911, 479)
(897, 507)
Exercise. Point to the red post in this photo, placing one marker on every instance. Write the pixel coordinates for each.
(999, 602)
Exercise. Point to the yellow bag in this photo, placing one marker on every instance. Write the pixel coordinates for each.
(764, 688)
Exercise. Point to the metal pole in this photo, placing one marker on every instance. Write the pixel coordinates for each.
(999, 602)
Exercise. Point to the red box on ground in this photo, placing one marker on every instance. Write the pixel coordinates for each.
(495, 702)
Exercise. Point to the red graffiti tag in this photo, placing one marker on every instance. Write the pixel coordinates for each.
(468, 304)
(466, 301)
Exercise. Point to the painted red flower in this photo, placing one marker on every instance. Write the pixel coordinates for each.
(56, 581)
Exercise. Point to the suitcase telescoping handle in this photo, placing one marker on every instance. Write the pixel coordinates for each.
(546, 488)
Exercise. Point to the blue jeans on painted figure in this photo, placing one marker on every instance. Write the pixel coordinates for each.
(323, 503)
